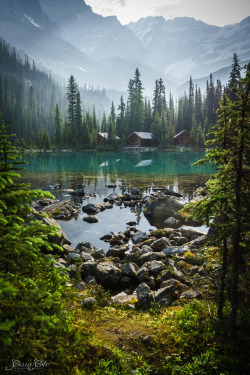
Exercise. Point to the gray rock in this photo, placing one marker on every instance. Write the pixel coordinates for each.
(171, 222)
(190, 233)
(99, 254)
(62, 210)
(198, 242)
(123, 298)
(135, 191)
(167, 294)
(148, 257)
(144, 296)
(91, 219)
(163, 207)
(160, 244)
(131, 223)
(151, 282)
(180, 240)
(142, 274)
(175, 250)
(108, 274)
(173, 193)
(90, 279)
(88, 268)
(116, 252)
(132, 258)
(163, 276)
(67, 249)
(85, 257)
(129, 269)
(80, 286)
(190, 294)
(87, 247)
(73, 257)
(139, 237)
(88, 301)
(91, 208)
(155, 267)
(169, 282)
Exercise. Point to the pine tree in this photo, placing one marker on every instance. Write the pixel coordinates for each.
(33, 320)
(234, 78)
(72, 97)
(226, 206)
(58, 127)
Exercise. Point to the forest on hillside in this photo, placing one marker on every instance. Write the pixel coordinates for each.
(45, 114)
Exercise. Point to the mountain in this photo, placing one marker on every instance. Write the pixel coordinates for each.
(184, 46)
(102, 38)
(67, 37)
(24, 25)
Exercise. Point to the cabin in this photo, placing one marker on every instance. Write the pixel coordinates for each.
(140, 139)
(102, 138)
(182, 138)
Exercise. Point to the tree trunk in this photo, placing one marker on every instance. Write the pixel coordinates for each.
(223, 280)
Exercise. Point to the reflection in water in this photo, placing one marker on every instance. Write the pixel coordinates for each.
(95, 171)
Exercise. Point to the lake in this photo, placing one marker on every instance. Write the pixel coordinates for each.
(96, 170)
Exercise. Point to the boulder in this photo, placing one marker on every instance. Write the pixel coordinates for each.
(190, 294)
(117, 252)
(91, 219)
(129, 269)
(171, 192)
(99, 254)
(80, 286)
(139, 237)
(88, 268)
(90, 279)
(163, 207)
(148, 257)
(85, 257)
(144, 296)
(175, 250)
(155, 267)
(108, 274)
(73, 257)
(143, 274)
(88, 247)
(132, 258)
(123, 298)
(91, 208)
(160, 244)
(165, 295)
(62, 210)
(171, 222)
(90, 301)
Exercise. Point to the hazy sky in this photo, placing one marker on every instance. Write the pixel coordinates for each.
(213, 12)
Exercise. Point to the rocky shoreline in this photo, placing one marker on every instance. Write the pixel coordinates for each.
(165, 266)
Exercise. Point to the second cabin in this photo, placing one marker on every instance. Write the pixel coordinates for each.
(140, 139)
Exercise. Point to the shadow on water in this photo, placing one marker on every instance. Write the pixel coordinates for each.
(95, 171)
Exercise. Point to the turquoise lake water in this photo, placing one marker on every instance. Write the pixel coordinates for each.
(96, 170)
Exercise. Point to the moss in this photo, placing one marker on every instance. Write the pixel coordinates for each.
(162, 233)
(190, 257)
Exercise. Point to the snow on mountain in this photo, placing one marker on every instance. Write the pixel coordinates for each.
(67, 37)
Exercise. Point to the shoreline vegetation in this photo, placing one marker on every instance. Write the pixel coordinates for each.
(187, 308)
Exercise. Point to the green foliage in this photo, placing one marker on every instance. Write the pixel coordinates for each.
(33, 318)
(226, 206)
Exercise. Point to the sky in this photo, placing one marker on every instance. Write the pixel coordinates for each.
(212, 12)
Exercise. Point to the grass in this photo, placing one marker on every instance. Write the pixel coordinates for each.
(109, 339)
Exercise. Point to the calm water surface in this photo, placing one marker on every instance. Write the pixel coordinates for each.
(95, 171)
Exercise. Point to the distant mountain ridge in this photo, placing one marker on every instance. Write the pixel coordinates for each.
(67, 37)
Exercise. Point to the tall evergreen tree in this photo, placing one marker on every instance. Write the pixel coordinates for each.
(234, 78)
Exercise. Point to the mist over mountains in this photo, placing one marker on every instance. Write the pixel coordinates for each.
(67, 37)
